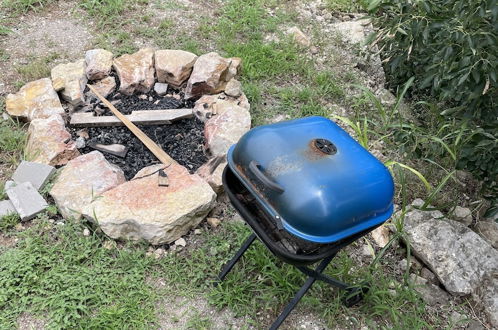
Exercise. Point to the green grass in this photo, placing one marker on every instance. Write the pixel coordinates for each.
(7, 221)
(36, 68)
(23, 6)
(347, 6)
(74, 281)
(12, 141)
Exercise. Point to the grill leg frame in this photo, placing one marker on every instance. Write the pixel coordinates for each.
(228, 267)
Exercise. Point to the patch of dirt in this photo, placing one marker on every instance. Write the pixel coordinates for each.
(6, 241)
(51, 32)
(27, 321)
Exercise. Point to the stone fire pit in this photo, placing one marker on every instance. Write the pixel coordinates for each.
(122, 195)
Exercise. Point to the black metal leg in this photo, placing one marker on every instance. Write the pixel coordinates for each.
(324, 278)
(307, 285)
(228, 267)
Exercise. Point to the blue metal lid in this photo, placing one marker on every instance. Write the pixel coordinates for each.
(314, 178)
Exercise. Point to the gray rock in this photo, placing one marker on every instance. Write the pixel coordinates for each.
(460, 258)
(160, 88)
(80, 142)
(463, 215)
(233, 88)
(26, 199)
(36, 173)
(489, 231)
(429, 276)
(430, 293)
(487, 296)
(6, 208)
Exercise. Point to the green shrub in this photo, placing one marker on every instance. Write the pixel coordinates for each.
(449, 46)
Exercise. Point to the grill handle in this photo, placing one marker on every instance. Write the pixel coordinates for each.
(254, 167)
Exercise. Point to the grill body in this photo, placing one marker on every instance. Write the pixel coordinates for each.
(313, 179)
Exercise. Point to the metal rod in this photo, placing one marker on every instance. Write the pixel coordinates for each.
(302, 291)
(228, 267)
(324, 278)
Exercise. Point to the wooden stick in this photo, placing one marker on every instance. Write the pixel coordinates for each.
(151, 145)
(140, 117)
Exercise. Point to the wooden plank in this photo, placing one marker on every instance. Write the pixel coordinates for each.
(141, 117)
(151, 145)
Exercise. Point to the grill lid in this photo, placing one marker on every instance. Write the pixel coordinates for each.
(313, 178)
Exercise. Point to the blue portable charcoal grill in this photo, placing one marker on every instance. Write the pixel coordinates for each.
(307, 189)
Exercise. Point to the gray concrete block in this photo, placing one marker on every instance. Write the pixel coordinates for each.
(26, 199)
(36, 173)
(6, 208)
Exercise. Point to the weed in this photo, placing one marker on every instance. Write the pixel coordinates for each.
(12, 141)
(8, 221)
(345, 5)
(23, 6)
(74, 281)
(197, 321)
(37, 68)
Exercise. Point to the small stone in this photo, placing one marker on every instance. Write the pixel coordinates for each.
(233, 88)
(327, 16)
(463, 215)
(160, 88)
(80, 142)
(212, 173)
(352, 31)
(26, 200)
(314, 50)
(380, 235)
(418, 203)
(74, 80)
(143, 97)
(403, 264)
(197, 231)
(98, 63)
(234, 68)
(299, 36)
(159, 253)
(208, 75)
(213, 222)
(174, 66)
(109, 245)
(136, 71)
(86, 232)
(104, 87)
(181, 242)
(36, 173)
(486, 295)
(430, 293)
(49, 142)
(489, 231)
(36, 99)
(83, 133)
(6, 208)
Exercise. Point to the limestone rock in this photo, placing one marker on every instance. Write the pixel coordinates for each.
(73, 79)
(49, 142)
(212, 173)
(104, 87)
(209, 75)
(136, 71)
(98, 63)
(226, 128)
(430, 293)
(213, 222)
(233, 88)
(352, 31)
(36, 99)
(299, 36)
(380, 235)
(160, 88)
(211, 105)
(487, 296)
(234, 68)
(140, 209)
(82, 180)
(174, 66)
(463, 215)
(460, 258)
(489, 231)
